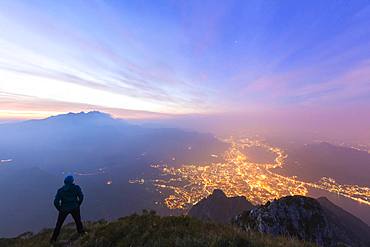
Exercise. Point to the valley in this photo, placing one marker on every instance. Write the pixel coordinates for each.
(239, 176)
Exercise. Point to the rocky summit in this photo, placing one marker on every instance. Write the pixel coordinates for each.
(219, 208)
(303, 218)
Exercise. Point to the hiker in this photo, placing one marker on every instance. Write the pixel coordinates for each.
(68, 201)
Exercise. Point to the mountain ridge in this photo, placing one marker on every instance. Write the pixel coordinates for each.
(314, 220)
(307, 219)
(151, 230)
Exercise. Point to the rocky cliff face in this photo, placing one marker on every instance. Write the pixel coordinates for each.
(219, 208)
(301, 217)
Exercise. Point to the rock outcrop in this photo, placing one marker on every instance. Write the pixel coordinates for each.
(219, 208)
(304, 218)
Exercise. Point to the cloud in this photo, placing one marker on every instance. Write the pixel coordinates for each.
(18, 107)
(56, 52)
(182, 58)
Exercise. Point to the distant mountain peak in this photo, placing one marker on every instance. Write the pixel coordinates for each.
(91, 117)
(218, 193)
(82, 114)
(219, 208)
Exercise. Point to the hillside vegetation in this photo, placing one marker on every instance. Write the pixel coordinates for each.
(149, 229)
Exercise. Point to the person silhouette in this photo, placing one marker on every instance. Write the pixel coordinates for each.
(68, 201)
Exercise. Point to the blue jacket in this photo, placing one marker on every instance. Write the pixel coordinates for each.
(68, 198)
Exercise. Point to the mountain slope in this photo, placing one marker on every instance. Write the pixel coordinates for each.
(348, 223)
(313, 161)
(87, 140)
(219, 208)
(152, 231)
(306, 219)
(96, 148)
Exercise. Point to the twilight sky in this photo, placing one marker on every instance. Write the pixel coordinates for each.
(140, 59)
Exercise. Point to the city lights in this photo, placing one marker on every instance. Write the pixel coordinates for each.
(238, 176)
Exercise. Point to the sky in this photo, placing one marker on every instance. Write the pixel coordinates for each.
(150, 59)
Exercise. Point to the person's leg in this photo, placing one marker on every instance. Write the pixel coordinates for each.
(77, 218)
(61, 217)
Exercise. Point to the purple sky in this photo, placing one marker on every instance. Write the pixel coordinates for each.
(277, 62)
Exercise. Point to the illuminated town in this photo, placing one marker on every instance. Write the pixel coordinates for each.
(238, 176)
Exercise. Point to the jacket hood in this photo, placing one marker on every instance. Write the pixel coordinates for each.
(68, 180)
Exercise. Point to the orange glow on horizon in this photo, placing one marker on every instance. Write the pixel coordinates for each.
(21, 115)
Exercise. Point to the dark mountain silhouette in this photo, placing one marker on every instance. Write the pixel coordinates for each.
(94, 139)
(219, 208)
(315, 220)
(96, 148)
(351, 225)
(311, 162)
(314, 161)
(308, 219)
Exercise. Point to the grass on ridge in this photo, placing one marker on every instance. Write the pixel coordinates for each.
(149, 229)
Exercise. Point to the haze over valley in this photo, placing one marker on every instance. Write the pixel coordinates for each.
(125, 168)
